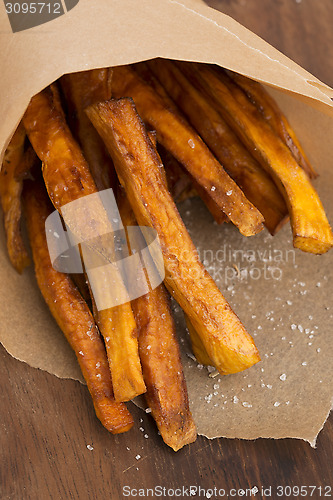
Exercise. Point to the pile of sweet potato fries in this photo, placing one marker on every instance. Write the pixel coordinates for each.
(156, 133)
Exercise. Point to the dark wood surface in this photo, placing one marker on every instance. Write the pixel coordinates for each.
(47, 423)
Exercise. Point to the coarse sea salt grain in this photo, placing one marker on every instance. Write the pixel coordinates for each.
(276, 403)
(137, 457)
(283, 377)
(90, 447)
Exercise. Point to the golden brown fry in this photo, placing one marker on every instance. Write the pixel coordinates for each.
(240, 165)
(116, 324)
(198, 348)
(118, 327)
(67, 178)
(176, 135)
(73, 317)
(311, 230)
(278, 121)
(82, 89)
(160, 357)
(10, 196)
(66, 173)
(228, 344)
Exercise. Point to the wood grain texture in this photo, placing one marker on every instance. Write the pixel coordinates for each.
(47, 423)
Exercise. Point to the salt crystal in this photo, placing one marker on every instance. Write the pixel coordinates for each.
(283, 377)
(269, 386)
(318, 350)
(229, 193)
(246, 404)
(277, 403)
(191, 143)
(300, 328)
(293, 326)
(235, 399)
(213, 188)
(138, 457)
(304, 363)
(90, 447)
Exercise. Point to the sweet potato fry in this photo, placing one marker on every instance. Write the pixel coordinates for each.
(160, 357)
(119, 330)
(182, 186)
(228, 344)
(73, 317)
(311, 230)
(10, 196)
(67, 178)
(176, 135)
(278, 121)
(116, 324)
(82, 89)
(223, 142)
(198, 348)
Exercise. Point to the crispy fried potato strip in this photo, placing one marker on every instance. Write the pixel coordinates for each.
(198, 348)
(160, 357)
(11, 183)
(118, 327)
(223, 142)
(228, 344)
(66, 173)
(176, 135)
(311, 230)
(73, 317)
(82, 89)
(278, 121)
(116, 324)
(67, 178)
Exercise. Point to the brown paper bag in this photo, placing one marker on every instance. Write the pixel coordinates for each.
(285, 302)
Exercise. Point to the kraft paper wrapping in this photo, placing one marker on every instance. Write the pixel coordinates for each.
(283, 296)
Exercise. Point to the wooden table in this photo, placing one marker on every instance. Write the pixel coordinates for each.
(47, 423)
